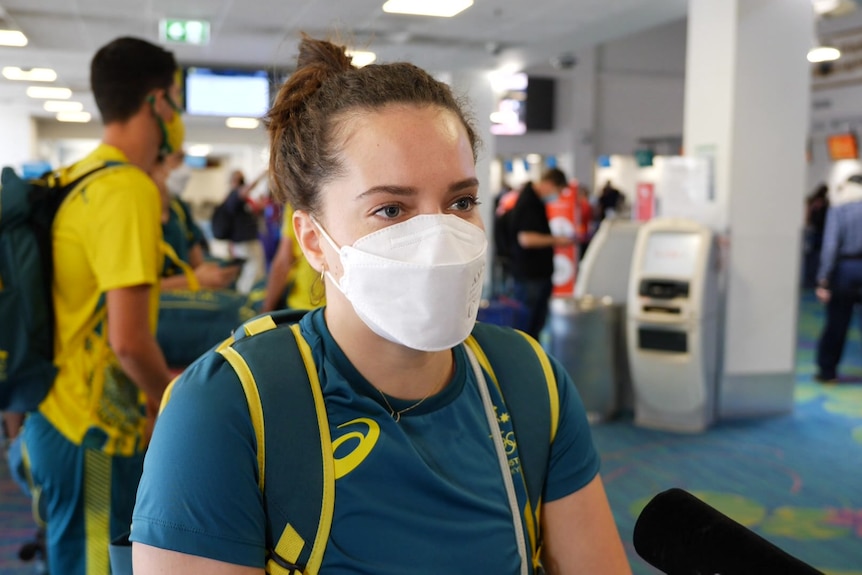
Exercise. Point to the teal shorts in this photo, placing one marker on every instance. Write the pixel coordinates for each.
(85, 497)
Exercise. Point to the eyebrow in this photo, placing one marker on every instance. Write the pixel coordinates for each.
(409, 190)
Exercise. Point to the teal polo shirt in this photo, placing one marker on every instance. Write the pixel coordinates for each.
(428, 497)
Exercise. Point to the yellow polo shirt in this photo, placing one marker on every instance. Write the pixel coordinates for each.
(106, 236)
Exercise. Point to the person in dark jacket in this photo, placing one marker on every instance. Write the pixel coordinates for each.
(244, 237)
(839, 279)
(816, 206)
(533, 247)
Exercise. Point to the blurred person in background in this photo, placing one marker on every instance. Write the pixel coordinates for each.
(292, 282)
(610, 201)
(816, 207)
(185, 237)
(244, 240)
(86, 443)
(839, 278)
(533, 244)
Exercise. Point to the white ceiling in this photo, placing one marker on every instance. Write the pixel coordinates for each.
(64, 34)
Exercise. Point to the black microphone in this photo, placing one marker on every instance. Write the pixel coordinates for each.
(681, 535)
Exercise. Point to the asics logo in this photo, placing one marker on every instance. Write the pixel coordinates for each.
(366, 442)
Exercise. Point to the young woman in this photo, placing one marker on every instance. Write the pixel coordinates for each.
(379, 163)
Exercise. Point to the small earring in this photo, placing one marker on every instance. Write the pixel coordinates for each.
(318, 287)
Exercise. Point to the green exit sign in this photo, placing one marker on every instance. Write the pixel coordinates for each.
(195, 32)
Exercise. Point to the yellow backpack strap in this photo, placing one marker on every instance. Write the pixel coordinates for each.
(183, 216)
(171, 254)
(513, 360)
(278, 375)
(177, 208)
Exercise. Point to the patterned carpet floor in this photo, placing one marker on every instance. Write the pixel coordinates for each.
(795, 480)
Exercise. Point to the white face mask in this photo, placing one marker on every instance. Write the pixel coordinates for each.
(177, 180)
(417, 283)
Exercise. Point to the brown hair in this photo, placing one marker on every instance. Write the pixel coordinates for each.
(555, 176)
(304, 120)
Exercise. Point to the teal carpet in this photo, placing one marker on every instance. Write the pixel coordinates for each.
(795, 480)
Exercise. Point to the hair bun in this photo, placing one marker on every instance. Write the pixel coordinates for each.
(323, 55)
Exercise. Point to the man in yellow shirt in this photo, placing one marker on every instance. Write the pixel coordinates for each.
(291, 272)
(86, 442)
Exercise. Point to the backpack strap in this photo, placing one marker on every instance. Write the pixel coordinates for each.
(100, 314)
(171, 254)
(303, 512)
(306, 508)
(533, 402)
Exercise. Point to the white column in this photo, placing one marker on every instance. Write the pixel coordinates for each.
(18, 144)
(747, 95)
(584, 117)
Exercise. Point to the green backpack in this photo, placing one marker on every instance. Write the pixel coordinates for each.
(192, 321)
(306, 509)
(27, 211)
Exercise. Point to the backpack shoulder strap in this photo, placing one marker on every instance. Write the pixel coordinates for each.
(179, 210)
(277, 371)
(521, 370)
(62, 178)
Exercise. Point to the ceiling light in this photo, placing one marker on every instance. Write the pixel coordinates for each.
(81, 117)
(31, 75)
(824, 6)
(12, 38)
(242, 123)
(823, 54)
(361, 58)
(62, 106)
(199, 150)
(49, 93)
(444, 8)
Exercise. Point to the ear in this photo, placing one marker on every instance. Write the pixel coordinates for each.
(309, 239)
(153, 96)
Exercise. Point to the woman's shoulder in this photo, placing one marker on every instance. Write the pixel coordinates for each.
(209, 381)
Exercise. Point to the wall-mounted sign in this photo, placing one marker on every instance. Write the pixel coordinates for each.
(195, 32)
(644, 202)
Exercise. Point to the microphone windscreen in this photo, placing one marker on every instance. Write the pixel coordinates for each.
(681, 535)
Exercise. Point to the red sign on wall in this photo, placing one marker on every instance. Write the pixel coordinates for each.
(645, 202)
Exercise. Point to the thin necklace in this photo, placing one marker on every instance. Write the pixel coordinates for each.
(396, 415)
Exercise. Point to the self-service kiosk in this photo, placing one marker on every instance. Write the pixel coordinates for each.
(673, 325)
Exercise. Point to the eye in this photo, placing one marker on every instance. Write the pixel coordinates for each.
(466, 203)
(389, 212)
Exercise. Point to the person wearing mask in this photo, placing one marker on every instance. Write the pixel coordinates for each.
(184, 236)
(532, 263)
(379, 163)
(839, 278)
(86, 442)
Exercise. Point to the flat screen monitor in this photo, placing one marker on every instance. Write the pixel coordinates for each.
(671, 254)
(223, 92)
(842, 147)
(524, 104)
